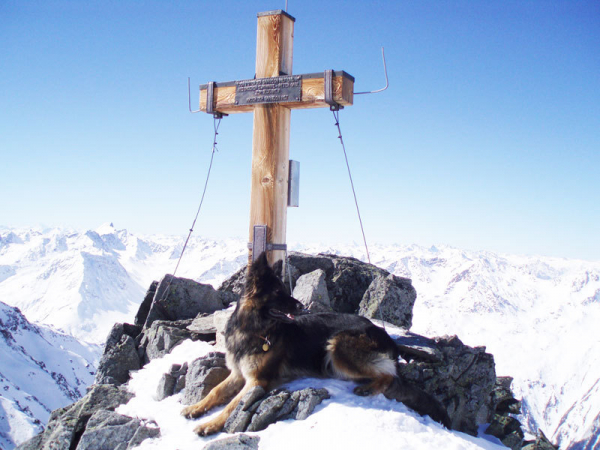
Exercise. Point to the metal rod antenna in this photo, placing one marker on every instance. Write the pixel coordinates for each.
(286, 2)
(190, 98)
(387, 84)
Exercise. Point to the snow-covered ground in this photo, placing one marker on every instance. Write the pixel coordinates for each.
(344, 421)
(538, 316)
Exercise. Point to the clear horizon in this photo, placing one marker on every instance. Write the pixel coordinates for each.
(487, 139)
(313, 246)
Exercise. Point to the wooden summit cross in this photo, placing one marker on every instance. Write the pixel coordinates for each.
(271, 95)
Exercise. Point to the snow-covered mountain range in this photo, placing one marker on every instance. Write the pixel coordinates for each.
(83, 282)
(537, 315)
(40, 370)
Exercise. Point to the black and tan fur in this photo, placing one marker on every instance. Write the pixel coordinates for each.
(270, 341)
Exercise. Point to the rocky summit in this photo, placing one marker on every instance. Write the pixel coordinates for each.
(461, 378)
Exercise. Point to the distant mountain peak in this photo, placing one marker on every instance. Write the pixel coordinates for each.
(106, 228)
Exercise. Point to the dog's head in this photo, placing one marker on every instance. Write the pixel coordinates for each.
(266, 294)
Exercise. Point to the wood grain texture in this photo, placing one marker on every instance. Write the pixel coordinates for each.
(274, 46)
(270, 162)
(271, 138)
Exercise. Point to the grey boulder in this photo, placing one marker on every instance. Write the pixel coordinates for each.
(182, 298)
(107, 430)
(389, 298)
(311, 290)
(66, 425)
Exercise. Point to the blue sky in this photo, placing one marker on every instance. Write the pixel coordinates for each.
(487, 138)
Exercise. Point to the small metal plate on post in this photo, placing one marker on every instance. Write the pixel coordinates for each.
(294, 184)
(282, 89)
(259, 241)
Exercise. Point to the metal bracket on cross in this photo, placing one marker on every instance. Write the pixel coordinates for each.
(259, 243)
(328, 91)
(210, 101)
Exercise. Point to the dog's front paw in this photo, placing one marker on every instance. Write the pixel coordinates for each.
(191, 412)
(208, 428)
(363, 390)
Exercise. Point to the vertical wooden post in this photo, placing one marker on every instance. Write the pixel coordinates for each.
(271, 139)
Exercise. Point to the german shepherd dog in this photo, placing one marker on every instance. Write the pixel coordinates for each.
(271, 340)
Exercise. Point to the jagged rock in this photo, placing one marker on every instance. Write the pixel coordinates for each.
(163, 336)
(172, 382)
(185, 299)
(307, 400)
(301, 263)
(180, 383)
(202, 376)
(418, 400)
(311, 290)
(144, 309)
(220, 319)
(241, 416)
(235, 283)
(117, 332)
(347, 279)
(542, 443)
(166, 386)
(257, 411)
(268, 410)
(503, 399)
(66, 425)
(504, 427)
(117, 361)
(391, 299)
(462, 379)
(120, 355)
(203, 324)
(413, 346)
(513, 440)
(237, 442)
(107, 430)
(508, 430)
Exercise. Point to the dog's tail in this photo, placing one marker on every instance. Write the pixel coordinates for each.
(418, 400)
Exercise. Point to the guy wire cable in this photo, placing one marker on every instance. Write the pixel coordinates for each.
(337, 124)
(216, 124)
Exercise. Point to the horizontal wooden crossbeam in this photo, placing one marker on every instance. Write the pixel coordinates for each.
(312, 94)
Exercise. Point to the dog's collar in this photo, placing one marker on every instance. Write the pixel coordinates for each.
(267, 345)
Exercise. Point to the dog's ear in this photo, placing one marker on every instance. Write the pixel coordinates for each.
(261, 262)
(259, 273)
(260, 266)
